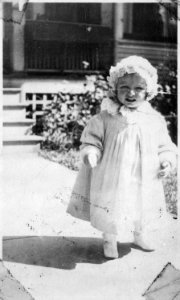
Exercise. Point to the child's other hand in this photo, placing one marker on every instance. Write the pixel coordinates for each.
(164, 169)
(92, 159)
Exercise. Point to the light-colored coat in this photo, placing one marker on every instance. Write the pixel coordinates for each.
(95, 196)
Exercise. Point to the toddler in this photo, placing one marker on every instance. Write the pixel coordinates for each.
(125, 150)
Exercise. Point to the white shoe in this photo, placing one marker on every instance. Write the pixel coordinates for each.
(139, 241)
(110, 246)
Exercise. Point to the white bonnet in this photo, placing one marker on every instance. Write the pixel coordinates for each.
(135, 64)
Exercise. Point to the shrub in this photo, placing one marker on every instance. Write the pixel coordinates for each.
(70, 159)
(67, 115)
(166, 100)
(170, 191)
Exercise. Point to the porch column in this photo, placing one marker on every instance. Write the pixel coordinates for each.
(18, 42)
(118, 26)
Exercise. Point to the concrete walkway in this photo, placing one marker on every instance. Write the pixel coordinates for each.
(54, 256)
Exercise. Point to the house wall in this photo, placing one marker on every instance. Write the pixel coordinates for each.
(154, 51)
(113, 15)
(18, 55)
(35, 10)
(106, 12)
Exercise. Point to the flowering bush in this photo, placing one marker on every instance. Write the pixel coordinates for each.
(67, 115)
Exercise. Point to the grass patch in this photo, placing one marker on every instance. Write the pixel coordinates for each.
(170, 190)
(71, 159)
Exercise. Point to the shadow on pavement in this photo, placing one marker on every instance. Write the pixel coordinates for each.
(56, 252)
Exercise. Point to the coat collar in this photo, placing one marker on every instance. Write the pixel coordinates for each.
(115, 108)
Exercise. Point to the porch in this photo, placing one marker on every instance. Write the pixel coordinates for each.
(52, 46)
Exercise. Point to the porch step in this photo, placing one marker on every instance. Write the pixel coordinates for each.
(12, 95)
(14, 111)
(11, 90)
(22, 139)
(14, 106)
(16, 127)
(21, 143)
(25, 122)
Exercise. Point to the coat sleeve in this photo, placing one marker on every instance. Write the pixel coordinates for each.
(167, 150)
(92, 138)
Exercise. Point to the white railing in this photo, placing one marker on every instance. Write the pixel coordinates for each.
(37, 103)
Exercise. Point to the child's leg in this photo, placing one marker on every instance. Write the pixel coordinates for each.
(110, 245)
(139, 238)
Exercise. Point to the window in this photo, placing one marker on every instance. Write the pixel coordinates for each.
(89, 13)
(151, 22)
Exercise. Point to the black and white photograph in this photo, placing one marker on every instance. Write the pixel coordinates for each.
(89, 152)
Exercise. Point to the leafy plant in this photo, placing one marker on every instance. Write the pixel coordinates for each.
(170, 190)
(67, 115)
(166, 100)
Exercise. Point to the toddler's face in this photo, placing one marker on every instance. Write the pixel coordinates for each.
(131, 90)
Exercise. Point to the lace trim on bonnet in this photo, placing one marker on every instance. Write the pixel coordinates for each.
(134, 64)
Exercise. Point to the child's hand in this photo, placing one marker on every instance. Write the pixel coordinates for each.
(164, 169)
(92, 159)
